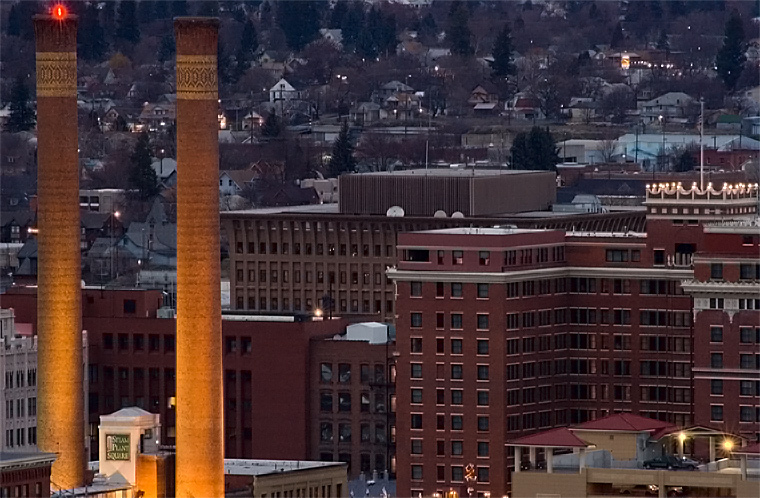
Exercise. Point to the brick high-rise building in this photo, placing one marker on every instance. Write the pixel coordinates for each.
(502, 332)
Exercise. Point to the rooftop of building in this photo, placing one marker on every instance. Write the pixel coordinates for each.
(16, 459)
(235, 466)
(483, 231)
(455, 172)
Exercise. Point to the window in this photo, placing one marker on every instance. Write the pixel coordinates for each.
(416, 421)
(716, 271)
(456, 448)
(130, 306)
(716, 334)
(482, 372)
(482, 398)
(617, 255)
(457, 422)
(483, 449)
(484, 258)
(326, 402)
(416, 472)
(456, 371)
(325, 432)
(483, 474)
(416, 289)
(483, 322)
(716, 386)
(659, 257)
(416, 346)
(344, 433)
(416, 370)
(344, 402)
(457, 473)
(749, 361)
(169, 343)
(439, 289)
(416, 320)
(482, 346)
(749, 388)
(716, 413)
(482, 424)
(456, 397)
(456, 346)
(416, 395)
(746, 414)
(456, 320)
(457, 257)
(482, 291)
(344, 373)
(716, 360)
(456, 289)
(326, 372)
(416, 447)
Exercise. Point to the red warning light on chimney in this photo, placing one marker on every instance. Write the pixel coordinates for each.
(59, 11)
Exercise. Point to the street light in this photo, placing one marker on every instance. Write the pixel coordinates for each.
(114, 256)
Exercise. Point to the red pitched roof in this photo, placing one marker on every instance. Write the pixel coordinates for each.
(558, 438)
(753, 449)
(626, 422)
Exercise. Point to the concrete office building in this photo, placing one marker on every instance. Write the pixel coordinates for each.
(18, 398)
(502, 332)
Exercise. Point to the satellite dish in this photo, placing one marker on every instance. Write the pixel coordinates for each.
(439, 214)
(395, 212)
(457, 214)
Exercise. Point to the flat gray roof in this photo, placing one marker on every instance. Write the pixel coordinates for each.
(331, 208)
(235, 466)
(483, 231)
(464, 171)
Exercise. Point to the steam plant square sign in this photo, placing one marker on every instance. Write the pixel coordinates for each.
(117, 447)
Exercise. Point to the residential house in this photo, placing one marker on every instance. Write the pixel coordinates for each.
(283, 91)
(95, 225)
(393, 87)
(252, 119)
(523, 106)
(435, 53)
(233, 182)
(18, 154)
(326, 189)
(15, 225)
(582, 110)
(166, 171)
(5, 114)
(289, 195)
(146, 91)
(367, 113)
(670, 107)
(333, 35)
(157, 116)
(404, 106)
(484, 93)
(152, 242)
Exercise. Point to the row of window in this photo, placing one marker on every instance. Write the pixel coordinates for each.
(309, 249)
(517, 257)
(327, 433)
(327, 405)
(381, 462)
(24, 407)
(20, 437)
(747, 335)
(366, 376)
(456, 475)
(456, 321)
(747, 271)
(274, 276)
(746, 413)
(746, 387)
(746, 361)
(22, 378)
(138, 342)
(456, 448)
(274, 304)
(456, 346)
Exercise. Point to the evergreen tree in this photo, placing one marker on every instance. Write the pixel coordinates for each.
(342, 160)
(271, 126)
(14, 21)
(142, 177)
(352, 25)
(208, 9)
(179, 8)
(502, 55)
(338, 15)
(22, 117)
(662, 42)
(684, 161)
(167, 47)
(161, 9)
(241, 65)
(535, 150)
(126, 21)
(730, 59)
(458, 30)
(145, 11)
(90, 35)
(617, 37)
(249, 42)
(299, 21)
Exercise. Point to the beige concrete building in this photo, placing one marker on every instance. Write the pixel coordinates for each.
(285, 478)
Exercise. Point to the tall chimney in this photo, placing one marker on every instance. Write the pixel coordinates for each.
(200, 431)
(60, 404)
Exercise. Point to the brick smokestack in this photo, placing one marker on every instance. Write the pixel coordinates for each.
(200, 430)
(60, 405)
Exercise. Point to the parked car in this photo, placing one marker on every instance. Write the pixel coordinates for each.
(669, 462)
